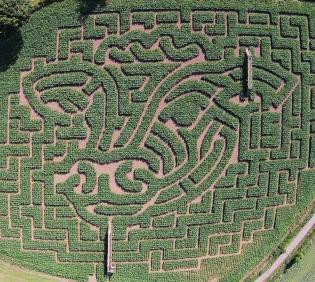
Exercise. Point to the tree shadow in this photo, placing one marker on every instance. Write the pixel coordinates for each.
(11, 43)
(87, 7)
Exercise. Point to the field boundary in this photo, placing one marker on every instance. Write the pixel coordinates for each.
(291, 248)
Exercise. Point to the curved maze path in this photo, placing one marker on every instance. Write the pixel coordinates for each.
(141, 120)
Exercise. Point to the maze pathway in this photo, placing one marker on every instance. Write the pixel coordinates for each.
(138, 116)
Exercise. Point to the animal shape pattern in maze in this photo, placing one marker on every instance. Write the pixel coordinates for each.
(141, 121)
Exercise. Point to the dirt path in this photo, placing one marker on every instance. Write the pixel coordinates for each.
(292, 246)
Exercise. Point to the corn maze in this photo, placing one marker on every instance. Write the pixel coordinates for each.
(137, 115)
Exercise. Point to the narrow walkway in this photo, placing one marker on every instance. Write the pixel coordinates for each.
(292, 246)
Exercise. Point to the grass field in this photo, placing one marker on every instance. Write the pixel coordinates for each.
(10, 273)
(35, 3)
(138, 114)
(304, 269)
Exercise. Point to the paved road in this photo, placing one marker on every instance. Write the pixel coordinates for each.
(292, 246)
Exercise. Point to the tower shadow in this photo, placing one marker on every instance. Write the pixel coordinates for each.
(105, 243)
(245, 93)
(106, 273)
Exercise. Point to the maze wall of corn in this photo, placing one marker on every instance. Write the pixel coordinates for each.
(137, 115)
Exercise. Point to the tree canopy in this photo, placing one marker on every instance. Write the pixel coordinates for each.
(13, 13)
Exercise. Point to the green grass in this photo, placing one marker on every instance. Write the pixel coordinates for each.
(10, 273)
(304, 268)
(35, 3)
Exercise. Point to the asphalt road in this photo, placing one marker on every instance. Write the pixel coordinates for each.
(292, 246)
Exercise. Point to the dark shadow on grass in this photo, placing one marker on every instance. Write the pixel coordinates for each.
(11, 43)
(87, 7)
